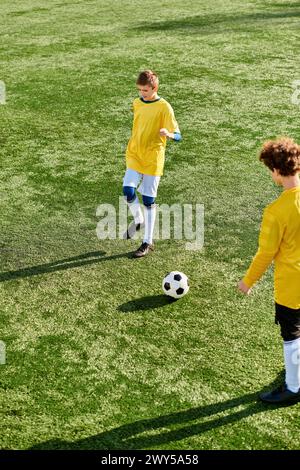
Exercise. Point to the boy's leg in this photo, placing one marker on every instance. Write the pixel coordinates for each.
(130, 182)
(289, 320)
(149, 215)
(148, 188)
(291, 350)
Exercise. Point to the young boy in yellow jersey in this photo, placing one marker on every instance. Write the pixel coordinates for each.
(279, 240)
(154, 122)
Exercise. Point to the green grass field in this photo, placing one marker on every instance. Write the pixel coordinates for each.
(96, 359)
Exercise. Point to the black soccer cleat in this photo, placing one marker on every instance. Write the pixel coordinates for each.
(280, 395)
(132, 229)
(143, 250)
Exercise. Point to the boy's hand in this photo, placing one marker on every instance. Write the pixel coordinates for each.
(243, 288)
(164, 132)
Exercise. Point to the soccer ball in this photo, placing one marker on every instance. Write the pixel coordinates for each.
(175, 284)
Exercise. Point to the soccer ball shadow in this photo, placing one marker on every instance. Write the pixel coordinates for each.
(148, 302)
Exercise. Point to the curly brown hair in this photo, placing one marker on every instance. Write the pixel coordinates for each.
(282, 154)
(147, 77)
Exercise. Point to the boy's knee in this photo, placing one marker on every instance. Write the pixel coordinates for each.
(148, 201)
(129, 193)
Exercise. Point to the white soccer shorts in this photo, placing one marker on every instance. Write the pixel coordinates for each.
(148, 183)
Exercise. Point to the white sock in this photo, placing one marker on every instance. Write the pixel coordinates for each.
(136, 211)
(149, 213)
(291, 350)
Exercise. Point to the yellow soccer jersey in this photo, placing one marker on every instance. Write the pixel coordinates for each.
(279, 239)
(146, 148)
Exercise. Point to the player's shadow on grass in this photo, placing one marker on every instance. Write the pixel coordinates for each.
(155, 432)
(84, 259)
(146, 303)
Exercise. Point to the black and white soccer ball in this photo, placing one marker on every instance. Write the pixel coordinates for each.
(175, 284)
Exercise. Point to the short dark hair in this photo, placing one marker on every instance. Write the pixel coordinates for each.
(147, 77)
(282, 154)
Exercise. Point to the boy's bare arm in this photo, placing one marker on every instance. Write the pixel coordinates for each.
(244, 288)
(165, 133)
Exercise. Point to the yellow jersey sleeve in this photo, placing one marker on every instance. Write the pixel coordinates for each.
(169, 121)
(270, 237)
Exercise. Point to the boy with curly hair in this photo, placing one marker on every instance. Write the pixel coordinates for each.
(279, 240)
(154, 122)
